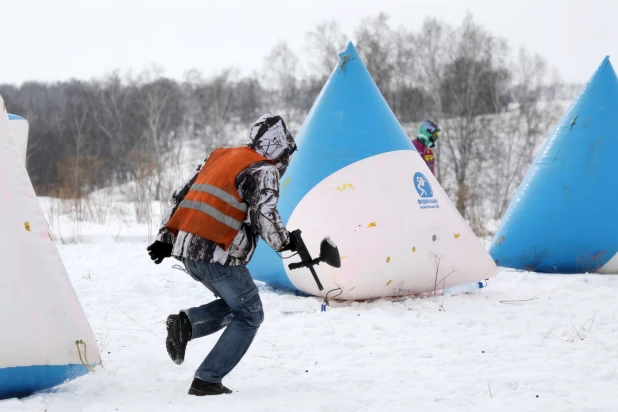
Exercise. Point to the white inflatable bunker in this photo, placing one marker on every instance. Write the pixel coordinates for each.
(357, 178)
(45, 338)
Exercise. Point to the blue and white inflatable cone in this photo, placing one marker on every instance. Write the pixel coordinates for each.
(357, 178)
(45, 336)
(563, 217)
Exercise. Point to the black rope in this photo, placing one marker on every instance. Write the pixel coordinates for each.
(326, 301)
(291, 256)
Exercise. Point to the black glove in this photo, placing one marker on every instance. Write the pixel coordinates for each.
(291, 246)
(159, 251)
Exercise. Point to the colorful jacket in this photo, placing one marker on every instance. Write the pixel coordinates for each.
(426, 154)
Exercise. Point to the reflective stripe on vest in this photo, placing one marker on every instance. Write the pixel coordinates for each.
(211, 211)
(221, 194)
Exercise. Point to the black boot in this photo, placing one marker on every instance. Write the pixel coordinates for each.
(203, 388)
(178, 335)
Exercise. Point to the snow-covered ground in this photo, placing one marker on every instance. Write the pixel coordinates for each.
(527, 342)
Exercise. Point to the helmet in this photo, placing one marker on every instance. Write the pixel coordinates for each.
(428, 133)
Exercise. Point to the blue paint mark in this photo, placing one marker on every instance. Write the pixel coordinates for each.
(15, 117)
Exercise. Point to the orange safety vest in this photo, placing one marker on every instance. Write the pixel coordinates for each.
(213, 208)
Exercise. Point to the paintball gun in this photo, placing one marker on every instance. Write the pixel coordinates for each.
(329, 254)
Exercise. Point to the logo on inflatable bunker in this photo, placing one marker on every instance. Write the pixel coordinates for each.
(424, 190)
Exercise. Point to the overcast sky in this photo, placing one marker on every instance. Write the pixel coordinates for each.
(60, 39)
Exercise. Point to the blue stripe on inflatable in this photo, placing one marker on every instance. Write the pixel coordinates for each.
(24, 380)
(563, 217)
(15, 117)
(349, 121)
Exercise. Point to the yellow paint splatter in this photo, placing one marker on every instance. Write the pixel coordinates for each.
(50, 237)
(27, 226)
(388, 259)
(352, 288)
(342, 257)
(389, 282)
(286, 182)
(457, 235)
(372, 224)
(413, 249)
(345, 186)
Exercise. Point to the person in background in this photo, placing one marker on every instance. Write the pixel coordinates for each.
(428, 134)
(213, 225)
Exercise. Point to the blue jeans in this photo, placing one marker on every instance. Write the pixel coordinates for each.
(239, 308)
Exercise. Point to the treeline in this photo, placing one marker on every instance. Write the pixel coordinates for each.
(85, 135)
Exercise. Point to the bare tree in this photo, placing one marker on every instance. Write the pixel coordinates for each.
(474, 84)
(522, 128)
(159, 101)
(373, 40)
(219, 102)
(115, 118)
(78, 122)
(324, 43)
(209, 107)
(248, 100)
(281, 72)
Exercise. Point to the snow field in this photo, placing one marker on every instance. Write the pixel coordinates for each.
(492, 350)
